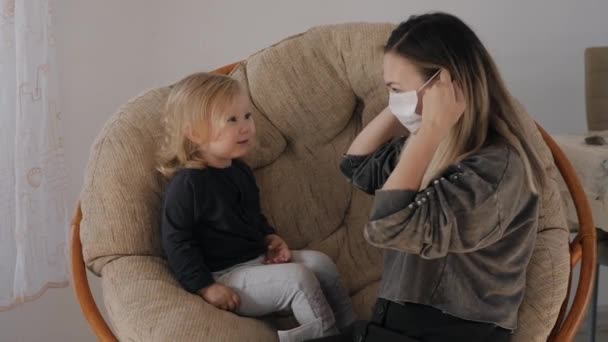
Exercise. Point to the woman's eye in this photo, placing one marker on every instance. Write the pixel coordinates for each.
(247, 116)
(396, 91)
(232, 119)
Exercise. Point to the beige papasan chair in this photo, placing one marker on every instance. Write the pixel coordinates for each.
(311, 94)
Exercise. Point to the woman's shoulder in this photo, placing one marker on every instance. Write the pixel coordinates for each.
(494, 161)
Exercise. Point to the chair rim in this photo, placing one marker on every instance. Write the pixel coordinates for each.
(81, 284)
(582, 249)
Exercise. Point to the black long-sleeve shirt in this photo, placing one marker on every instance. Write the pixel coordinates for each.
(211, 220)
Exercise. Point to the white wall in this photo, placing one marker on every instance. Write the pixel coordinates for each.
(112, 50)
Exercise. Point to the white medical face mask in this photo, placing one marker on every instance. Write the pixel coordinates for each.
(403, 106)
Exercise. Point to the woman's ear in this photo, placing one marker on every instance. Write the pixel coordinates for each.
(444, 75)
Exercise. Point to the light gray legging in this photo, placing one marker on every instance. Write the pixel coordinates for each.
(309, 286)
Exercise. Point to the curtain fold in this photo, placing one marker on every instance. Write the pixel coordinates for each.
(33, 216)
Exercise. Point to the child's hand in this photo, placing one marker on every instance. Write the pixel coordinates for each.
(221, 296)
(278, 251)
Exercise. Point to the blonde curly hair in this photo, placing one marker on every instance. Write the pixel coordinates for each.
(197, 103)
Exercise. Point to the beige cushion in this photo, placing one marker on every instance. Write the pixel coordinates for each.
(311, 93)
(549, 269)
(546, 286)
(145, 303)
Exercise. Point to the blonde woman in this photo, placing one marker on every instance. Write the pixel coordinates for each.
(456, 203)
(218, 243)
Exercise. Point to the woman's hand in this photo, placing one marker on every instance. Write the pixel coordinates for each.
(442, 105)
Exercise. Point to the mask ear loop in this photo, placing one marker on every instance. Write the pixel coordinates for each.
(429, 81)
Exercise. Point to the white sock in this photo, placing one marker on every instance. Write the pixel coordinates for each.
(306, 332)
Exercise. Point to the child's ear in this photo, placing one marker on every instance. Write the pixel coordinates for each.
(192, 135)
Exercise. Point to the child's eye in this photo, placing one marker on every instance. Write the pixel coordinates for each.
(232, 119)
(247, 116)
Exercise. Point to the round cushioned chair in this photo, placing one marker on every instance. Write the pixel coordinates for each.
(311, 94)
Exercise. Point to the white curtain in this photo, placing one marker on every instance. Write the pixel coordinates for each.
(33, 217)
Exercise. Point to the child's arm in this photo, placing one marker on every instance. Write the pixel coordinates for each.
(262, 221)
(220, 296)
(265, 226)
(183, 250)
(277, 249)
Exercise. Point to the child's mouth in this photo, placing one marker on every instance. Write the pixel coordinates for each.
(242, 142)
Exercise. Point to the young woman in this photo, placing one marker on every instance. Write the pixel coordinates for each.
(456, 204)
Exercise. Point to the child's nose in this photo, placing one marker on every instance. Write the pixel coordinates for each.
(245, 128)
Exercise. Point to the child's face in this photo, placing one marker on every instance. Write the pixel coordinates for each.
(235, 139)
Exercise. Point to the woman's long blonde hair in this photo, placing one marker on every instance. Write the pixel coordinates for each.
(438, 40)
(198, 103)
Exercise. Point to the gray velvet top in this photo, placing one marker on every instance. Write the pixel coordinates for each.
(462, 245)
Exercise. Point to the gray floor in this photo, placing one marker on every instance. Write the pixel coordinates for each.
(601, 334)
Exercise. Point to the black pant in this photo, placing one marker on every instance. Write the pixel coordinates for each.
(393, 322)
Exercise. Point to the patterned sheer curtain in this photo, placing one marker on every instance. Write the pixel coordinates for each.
(33, 217)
